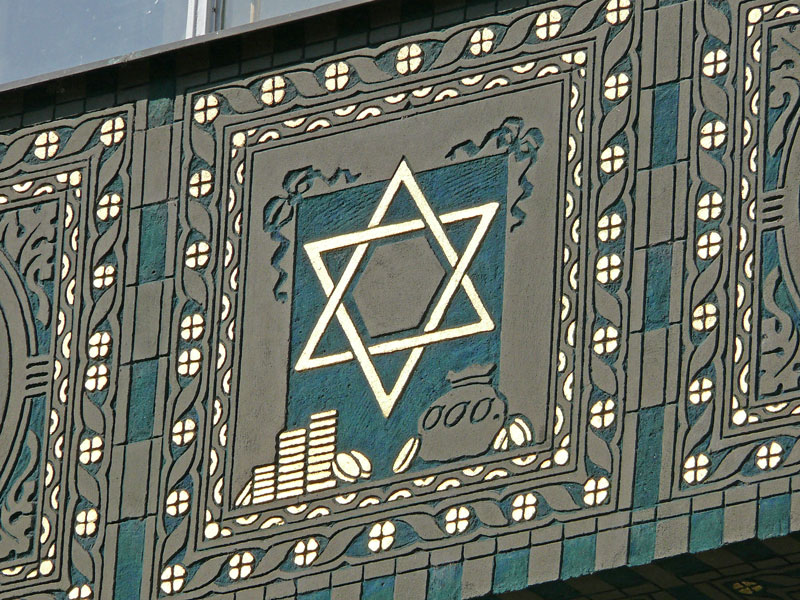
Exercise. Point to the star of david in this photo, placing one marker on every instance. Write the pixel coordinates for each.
(432, 332)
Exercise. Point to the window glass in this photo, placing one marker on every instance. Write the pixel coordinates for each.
(42, 36)
(240, 12)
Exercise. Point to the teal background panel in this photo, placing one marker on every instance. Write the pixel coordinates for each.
(447, 189)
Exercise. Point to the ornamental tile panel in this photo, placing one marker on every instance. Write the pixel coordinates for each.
(507, 301)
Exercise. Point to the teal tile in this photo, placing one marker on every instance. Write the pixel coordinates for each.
(378, 589)
(319, 595)
(511, 571)
(444, 583)
(578, 556)
(665, 125)
(153, 243)
(642, 543)
(130, 555)
(659, 279)
(648, 453)
(773, 516)
(706, 530)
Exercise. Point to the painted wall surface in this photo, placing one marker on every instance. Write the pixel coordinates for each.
(447, 303)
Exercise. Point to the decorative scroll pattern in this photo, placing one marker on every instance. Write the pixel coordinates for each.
(728, 430)
(59, 233)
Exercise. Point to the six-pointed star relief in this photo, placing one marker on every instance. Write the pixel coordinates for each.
(431, 333)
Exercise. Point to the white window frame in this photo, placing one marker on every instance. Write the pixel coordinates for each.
(198, 21)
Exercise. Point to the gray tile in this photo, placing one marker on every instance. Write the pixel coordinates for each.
(740, 522)
(412, 585)
(544, 563)
(476, 579)
(351, 591)
(672, 537)
(612, 549)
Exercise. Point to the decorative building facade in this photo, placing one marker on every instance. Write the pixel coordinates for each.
(413, 300)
